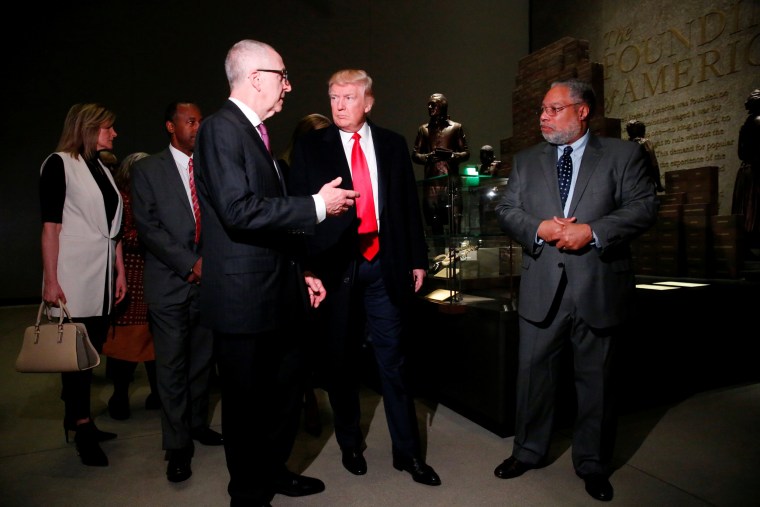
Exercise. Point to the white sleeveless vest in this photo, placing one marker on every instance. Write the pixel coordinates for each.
(86, 244)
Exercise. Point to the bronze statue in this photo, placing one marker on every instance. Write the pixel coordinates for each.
(746, 196)
(440, 146)
(637, 132)
(488, 163)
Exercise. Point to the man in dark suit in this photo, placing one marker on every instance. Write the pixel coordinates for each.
(162, 195)
(369, 264)
(254, 294)
(577, 281)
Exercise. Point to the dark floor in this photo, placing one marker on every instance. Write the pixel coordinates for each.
(689, 432)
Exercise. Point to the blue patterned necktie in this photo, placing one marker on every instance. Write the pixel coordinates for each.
(565, 173)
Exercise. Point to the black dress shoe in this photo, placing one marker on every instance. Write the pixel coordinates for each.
(511, 468)
(354, 461)
(420, 471)
(207, 436)
(178, 469)
(599, 487)
(290, 484)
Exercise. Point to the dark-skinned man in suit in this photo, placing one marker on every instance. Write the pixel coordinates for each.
(162, 202)
(577, 281)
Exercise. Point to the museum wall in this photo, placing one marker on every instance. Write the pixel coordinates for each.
(137, 56)
(683, 68)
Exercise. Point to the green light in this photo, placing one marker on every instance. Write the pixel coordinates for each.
(470, 170)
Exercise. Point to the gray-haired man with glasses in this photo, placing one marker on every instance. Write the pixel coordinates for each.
(255, 294)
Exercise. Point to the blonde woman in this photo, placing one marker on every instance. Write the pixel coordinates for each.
(82, 260)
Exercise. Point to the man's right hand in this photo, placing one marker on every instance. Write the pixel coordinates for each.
(551, 230)
(337, 200)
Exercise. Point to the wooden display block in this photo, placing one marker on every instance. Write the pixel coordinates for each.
(672, 198)
(699, 184)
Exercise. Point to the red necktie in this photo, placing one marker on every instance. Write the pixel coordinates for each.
(264, 135)
(194, 198)
(369, 243)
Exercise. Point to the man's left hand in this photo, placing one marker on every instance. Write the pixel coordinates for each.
(573, 236)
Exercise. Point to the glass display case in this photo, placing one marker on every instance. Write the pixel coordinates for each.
(471, 259)
(465, 327)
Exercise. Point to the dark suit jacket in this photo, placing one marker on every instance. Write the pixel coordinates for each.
(249, 228)
(319, 157)
(613, 194)
(165, 225)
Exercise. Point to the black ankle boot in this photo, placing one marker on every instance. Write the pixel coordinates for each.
(88, 448)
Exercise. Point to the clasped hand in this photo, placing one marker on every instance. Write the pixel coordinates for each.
(565, 234)
(337, 200)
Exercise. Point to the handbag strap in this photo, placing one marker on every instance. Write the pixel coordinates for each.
(43, 305)
(64, 312)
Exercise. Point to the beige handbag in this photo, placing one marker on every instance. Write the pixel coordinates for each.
(56, 347)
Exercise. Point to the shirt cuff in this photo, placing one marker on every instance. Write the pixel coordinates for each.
(319, 204)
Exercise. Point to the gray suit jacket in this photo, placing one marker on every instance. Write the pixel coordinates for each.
(613, 194)
(165, 225)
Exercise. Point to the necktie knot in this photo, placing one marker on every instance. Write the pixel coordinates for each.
(565, 173)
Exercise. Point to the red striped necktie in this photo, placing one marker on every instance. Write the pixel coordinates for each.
(194, 198)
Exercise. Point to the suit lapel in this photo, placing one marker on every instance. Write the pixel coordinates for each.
(589, 163)
(175, 183)
(338, 155)
(383, 163)
(257, 141)
(549, 170)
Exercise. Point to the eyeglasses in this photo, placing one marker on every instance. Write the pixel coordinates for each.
(283, 73)
(552, 111)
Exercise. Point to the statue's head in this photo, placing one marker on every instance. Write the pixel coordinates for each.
(486, 154)
(635, 128)
(438, 105)
(752, 104)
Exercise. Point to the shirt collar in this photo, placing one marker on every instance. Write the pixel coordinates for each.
(180, 158)
(578, 145)
(247, 111)
(364, 132)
